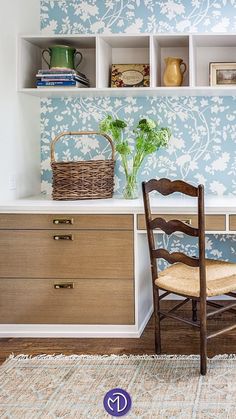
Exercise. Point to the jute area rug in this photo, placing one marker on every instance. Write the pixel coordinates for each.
(75, 386)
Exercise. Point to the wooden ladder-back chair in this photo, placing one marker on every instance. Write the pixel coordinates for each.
(195, 278)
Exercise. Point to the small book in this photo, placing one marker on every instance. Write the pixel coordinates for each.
(56, 83)
(58, 71)
(83, 81)
(79, 74)
(72, 83)
(55, 79)
(55, 76)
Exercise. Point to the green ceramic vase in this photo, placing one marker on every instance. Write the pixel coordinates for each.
(62, 56)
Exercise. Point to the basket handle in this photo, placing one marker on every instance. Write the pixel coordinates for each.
(80, 133)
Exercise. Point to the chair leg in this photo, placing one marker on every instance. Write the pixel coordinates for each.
(156, 303)
(203, 337)
(194, 310)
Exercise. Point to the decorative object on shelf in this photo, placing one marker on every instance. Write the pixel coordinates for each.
(62, 56)
(148, 139)
(61, 78)
(222, 74)
(173, 74)
(130, 75)
(74, 180)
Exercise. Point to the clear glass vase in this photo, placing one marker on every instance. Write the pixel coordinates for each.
(131, 187)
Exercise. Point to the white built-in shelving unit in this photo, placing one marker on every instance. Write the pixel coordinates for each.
(99, 52)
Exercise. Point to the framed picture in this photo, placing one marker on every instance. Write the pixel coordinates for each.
(222, 74)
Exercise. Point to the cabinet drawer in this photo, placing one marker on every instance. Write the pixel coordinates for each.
(65, 221)
(232, 222)
(89, 302)
(90, 254)
(213, 222)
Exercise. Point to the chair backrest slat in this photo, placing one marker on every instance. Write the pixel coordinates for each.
(175, 257)
(172, 226)
(167, 187)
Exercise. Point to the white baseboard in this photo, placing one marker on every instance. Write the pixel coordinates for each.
(73, 331)
(145, 322)
(68, 331)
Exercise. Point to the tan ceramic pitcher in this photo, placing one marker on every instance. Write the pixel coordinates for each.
(173, 74)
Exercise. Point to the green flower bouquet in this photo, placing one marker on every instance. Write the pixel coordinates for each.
(149, 137)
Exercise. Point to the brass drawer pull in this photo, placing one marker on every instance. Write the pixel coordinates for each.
(63, 237)
(64, 285)
(187, 221)
(63, 221)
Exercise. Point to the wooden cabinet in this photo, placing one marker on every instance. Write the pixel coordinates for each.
(232, 222)
(213, 222)
(56, 254)
(88, 301)
(92, 252)
(66, 221)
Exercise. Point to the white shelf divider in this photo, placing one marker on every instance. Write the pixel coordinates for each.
(104, 62)
(155, 58)
(191, 62)
(152, 61)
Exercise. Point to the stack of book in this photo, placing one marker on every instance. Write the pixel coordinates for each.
(61, 78)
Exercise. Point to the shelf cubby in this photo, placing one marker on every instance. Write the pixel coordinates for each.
(122, 49)
(30, 56)
(169, 46)
(211, 48)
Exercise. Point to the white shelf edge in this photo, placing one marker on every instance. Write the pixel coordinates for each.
(126, 91)
(121, 34)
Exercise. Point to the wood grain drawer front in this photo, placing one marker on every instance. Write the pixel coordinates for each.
(90, 254)
(89, 302)
(213, 222)
(61, 221)
(232, 222)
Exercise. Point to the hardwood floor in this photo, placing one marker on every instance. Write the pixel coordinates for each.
(177, 338)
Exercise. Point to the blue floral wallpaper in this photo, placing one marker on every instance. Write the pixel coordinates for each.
(218, 246)
(201, 150)
(96, 16)
(202, 147)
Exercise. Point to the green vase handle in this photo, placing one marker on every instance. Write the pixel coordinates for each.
(43, 52)
(80, 59)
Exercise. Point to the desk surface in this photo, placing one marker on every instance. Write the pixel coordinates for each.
(169, 205)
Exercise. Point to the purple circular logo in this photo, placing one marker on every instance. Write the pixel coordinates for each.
(117, 402)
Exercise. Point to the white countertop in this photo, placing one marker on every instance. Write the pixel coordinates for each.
(173, 204)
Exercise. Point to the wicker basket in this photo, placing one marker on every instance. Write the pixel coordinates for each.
(92, 179)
